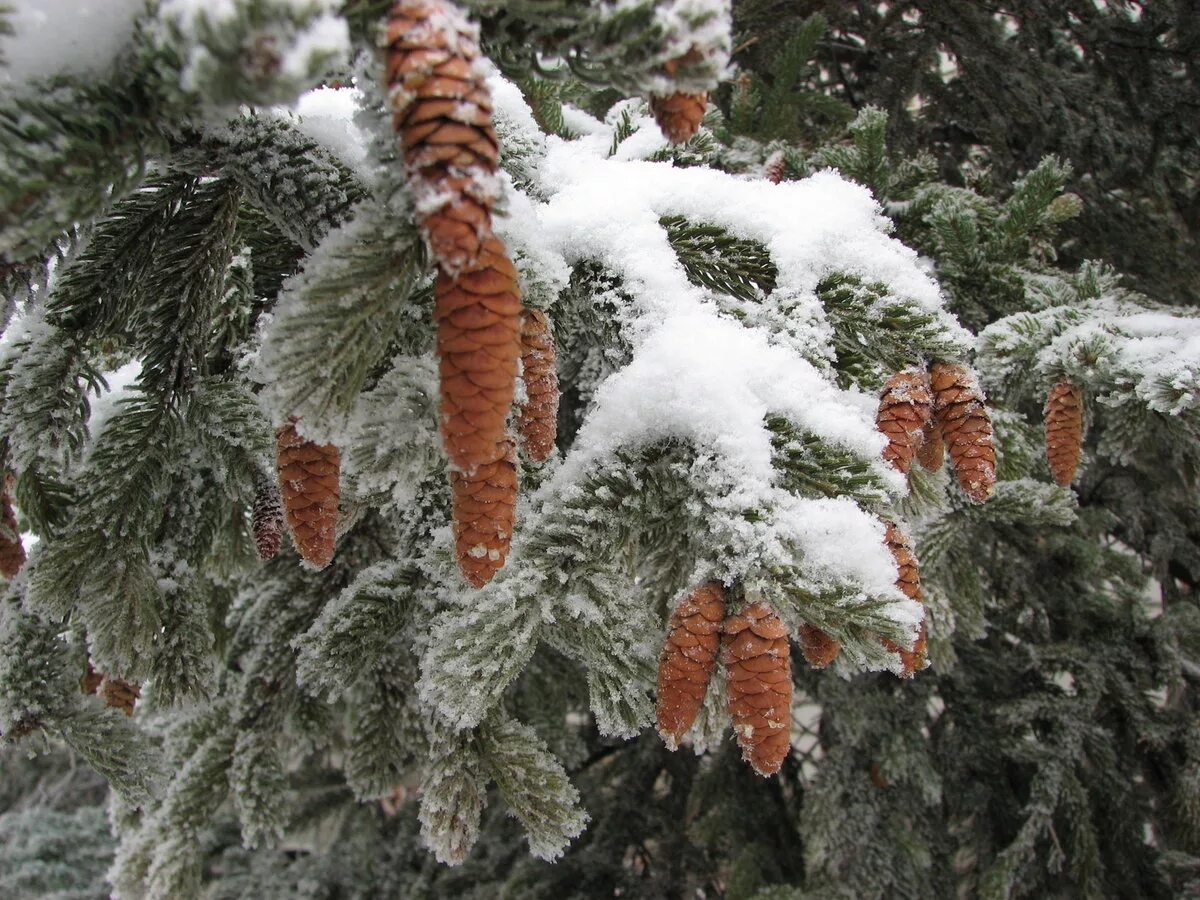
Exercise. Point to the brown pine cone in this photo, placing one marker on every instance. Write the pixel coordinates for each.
(908, 580)
(12, 551)
(119, 694)
(479, 341)
(966, 428)
(90, 682)
(485, 502)
(309, 482)
(687, 659)
(931, 452)
(267, 520)
(819, 648)
(442, 112)
(905, 408)
(1064, 431)
(538, 422)
(774, 167)
(759, 685)
(679, 115)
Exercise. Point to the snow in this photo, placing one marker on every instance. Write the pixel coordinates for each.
(327, 115)
(706, 378)
(120, 382)
(67, 37)
(306, 34)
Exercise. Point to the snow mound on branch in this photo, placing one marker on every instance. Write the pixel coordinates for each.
(63, 37)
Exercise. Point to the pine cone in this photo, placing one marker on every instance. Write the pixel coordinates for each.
(679, 115)
(90, 682)
(442, 112)
(905, 408)
(479, 329)
(687, 659)
(819, 648)
(966, 429)
(308, 479)
(485, 503)
(538, 422)
(12, 551)
(267, 520)
(119, 694)
(1064, 431)
(759, 685)
(931, 452)
(908, 580)
(774, 167)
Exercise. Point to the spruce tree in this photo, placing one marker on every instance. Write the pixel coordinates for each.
(400, 398)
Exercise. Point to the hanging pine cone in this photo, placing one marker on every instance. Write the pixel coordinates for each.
(931, 452)
(819, 648)
(479, 328)
(442, 112)
(485, 503)
(679, 115)
(759, 685)
(267, 520)
(309, 482)
(908, 580)
(119, 694)
(91, 680)
(905, 408)
(774, 167)
(12, 551)
(687, 659)
(538, 422)
(966, 428)
(1064, 431)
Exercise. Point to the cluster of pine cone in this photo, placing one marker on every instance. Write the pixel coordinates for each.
(757, 656)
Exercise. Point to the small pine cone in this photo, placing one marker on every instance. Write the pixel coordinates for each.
(267, 520)
(905, 409)
(679, 115)
(119, 694)
(931, 452)
(966, 428)
(687, 659)
(908, 580)
(774, 167)
(442, 113)
(90, 682)
(12, 551)
(479, 342)
(309, 481)
(1064, 431)
(485, 503)
(538, 422)
(759, 685)
(819, 648)
(393, 802)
